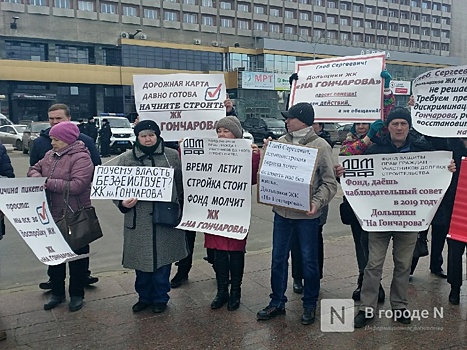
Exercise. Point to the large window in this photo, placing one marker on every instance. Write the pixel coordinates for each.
(165, 58)
(130, 11)
(305, 16)
(243, 24)
(170, 16)
(109, 7)
(259, 26)
(190, 18)
(225, 5)
(274, 12)
(38, 2)
(289, 14)
(207, 3)
(226, 22)
(112, 56)
(259, 9)
(242, 7)
(18, 50)
(73, 54)
(274, 28)
(85, 5)
(207, 21)
(62, 4)
(150, 13)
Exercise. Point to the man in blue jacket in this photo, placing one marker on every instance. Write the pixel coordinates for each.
(58, 113)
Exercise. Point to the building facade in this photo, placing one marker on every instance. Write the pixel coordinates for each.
(85, 52)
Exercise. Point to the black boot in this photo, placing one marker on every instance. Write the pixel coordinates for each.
(455, 295)
(356, 292)
(381, 294)
(221, 266)
(237, 265)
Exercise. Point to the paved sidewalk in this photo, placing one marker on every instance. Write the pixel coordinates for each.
(107, 322)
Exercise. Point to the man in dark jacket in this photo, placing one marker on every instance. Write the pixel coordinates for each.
(397, 141)
(6, 170)
(90, 129)
(105, 133)
(60, 113)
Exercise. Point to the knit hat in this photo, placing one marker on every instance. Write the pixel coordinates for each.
(65, 131)
(232, 124)
(399, 113)
(147, 125)
(302, 111)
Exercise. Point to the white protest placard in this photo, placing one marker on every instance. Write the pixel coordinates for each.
(345, 89)
(286, 175)
(440, 98)
(124, 182)
(181, 104)
(23, 202)
(217, 186)
(397, 191)
(400, 87)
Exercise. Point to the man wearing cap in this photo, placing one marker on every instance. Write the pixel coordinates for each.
(398, 140)
(300, 119)
(90, 128)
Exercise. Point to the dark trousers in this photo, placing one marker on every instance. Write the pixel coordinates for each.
(153, 287)
(105, 147)
(86, 267)
(77, 269)
(296, 255)
(455, 252)
(184, 265)
(228, 266)
(360, 239)
(438, 238)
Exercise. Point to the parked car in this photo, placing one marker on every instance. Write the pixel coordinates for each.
(262, 128)
(4, 120)
(123, 136)
(331, 128)
(31, 132)
(12, 135)
(342, 132)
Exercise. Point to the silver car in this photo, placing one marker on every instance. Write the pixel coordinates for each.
(12, 135)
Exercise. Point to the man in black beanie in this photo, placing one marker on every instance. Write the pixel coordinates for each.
(105, 133)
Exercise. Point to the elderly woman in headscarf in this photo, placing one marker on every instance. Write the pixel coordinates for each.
(150, 248)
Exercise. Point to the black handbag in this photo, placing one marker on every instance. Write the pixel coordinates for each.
(347, 214)
(421, 247)
(80, 227)
(166, 214)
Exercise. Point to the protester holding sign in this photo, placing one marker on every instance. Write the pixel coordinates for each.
(229, 253)
(397, 141)
(150, 247)
(67, 166)
(300, 119)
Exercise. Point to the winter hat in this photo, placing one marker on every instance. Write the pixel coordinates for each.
(302, 111)
(399, 113)
(232, 124)
(147, 125)
(65, 131)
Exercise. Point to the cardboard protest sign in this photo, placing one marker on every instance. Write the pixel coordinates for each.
(182, 105)
(217, 186)
(124, 182)
(23, 202)
(458, 229)
(286, 175)
(396, 192)
(345, 89)
(440, 107)
(400, 87)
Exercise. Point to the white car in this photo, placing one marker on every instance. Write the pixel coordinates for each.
(123, 136)
(247, 135)
(12, 135)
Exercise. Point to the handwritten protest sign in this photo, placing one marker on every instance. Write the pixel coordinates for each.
(396, 192)
(440, 107)
(23, 202)
(181, 104)
(346, 89)
(286, 175)
(458, 229)
(217, 186)
(124, 182)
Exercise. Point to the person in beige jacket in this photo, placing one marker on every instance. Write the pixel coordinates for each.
(299, 121)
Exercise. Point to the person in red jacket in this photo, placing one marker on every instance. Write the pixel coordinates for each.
(229, 253)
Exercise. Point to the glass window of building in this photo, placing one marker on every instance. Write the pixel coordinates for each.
(318, 17)
(370, 9)
(290, 29)
(357, 8)
(344, 21)
(331, 19)
(404, 15)
(425, 5)
(445, 34)
(357, 22)
(130, 11)
(170, 16)
(382, 11)
(404, 28)
(436, 33)
(369, 38)
(393, 13)
(274, 28)
(72, 54)
(243, 24)
(108, 7)
(435, 46)
(318, 33)
(370, 24)
(381, 40)
(345, 36)
(382, 25)
(289, 14)
(436, 19)
(445, 8)
(190, 18)
(425, 18)
(332, 34)
(304, 31)
(172, 1)
(207, 3)
(415, 16)
(208, 21)
(18, 50)
(226, 5)
(150, 13)
(344, 6)
(226, 22)
(357, 37)
(445, 20)
(426, 31)
(259, 9)
(425, 45)
(444, 47)
(305, 16)
(393, 27)
(13, 1)
(414, 44)
(332, 4)
(62, 4)
(112, 56)
(436, 6)
(84, 5)
(308, 2)
(189, 2)
(393, 41)
(415, 30)
(415, 3)
(404, 42)
(38, 2)
(260, 26)
(274, 12)
(243, 7)
(318, 2)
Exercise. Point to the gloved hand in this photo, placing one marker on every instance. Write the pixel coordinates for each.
(374, 128)
(292, 78)
(387, 78)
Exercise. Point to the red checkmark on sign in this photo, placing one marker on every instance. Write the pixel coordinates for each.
(43, 214)
(215, 92)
